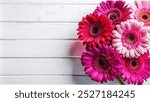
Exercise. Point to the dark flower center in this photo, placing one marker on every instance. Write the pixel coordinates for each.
(134, 63)
(112, 16)
(103, 62)
(95, 30)
(130, 38)
(145, 17)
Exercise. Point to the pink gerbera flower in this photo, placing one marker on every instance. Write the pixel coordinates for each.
(95, 29)
(149, 35)
(116, 11)
(101, 63)
(136, 70)
(141, 11)
(131, 39)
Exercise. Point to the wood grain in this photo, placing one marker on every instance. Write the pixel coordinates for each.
(51, 1)
(38, 41)
(44, 13)
(48, 80)
(40, 66)
(40, 48)
(38, 31)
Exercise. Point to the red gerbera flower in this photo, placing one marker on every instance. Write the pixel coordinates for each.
(95, 30)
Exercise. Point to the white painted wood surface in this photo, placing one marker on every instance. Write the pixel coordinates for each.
(41, 66)
(50, 80)
(38, 30)
(51, 1)
(44, 13)
(38, 41)
(38, 48)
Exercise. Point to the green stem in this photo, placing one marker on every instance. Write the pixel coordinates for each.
(120, 81)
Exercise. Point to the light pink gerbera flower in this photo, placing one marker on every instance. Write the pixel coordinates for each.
(101, 63)
(141, 11)
(116, 11)
(131, 39)
(136, 70)
(148, 28)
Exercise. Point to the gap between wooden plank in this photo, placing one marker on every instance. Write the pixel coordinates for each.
(39, 75)
(39, 22)
(42, 39)
(67, 57)
(72, 39)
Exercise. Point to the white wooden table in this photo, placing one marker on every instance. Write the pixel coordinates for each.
(38, 41)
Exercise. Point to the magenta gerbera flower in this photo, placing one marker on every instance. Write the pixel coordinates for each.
(141, 11)
(95, 29)
(116, 11)
(136, 70)
(101, 63)
(131, 39)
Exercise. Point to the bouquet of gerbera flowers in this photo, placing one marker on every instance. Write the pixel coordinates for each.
(117, 41)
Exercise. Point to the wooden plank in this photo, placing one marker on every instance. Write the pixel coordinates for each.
(44, 13)
(51, 1)
(49, 80)
(54, 80)
(38, 30)
(40, 48)
(50, 66)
